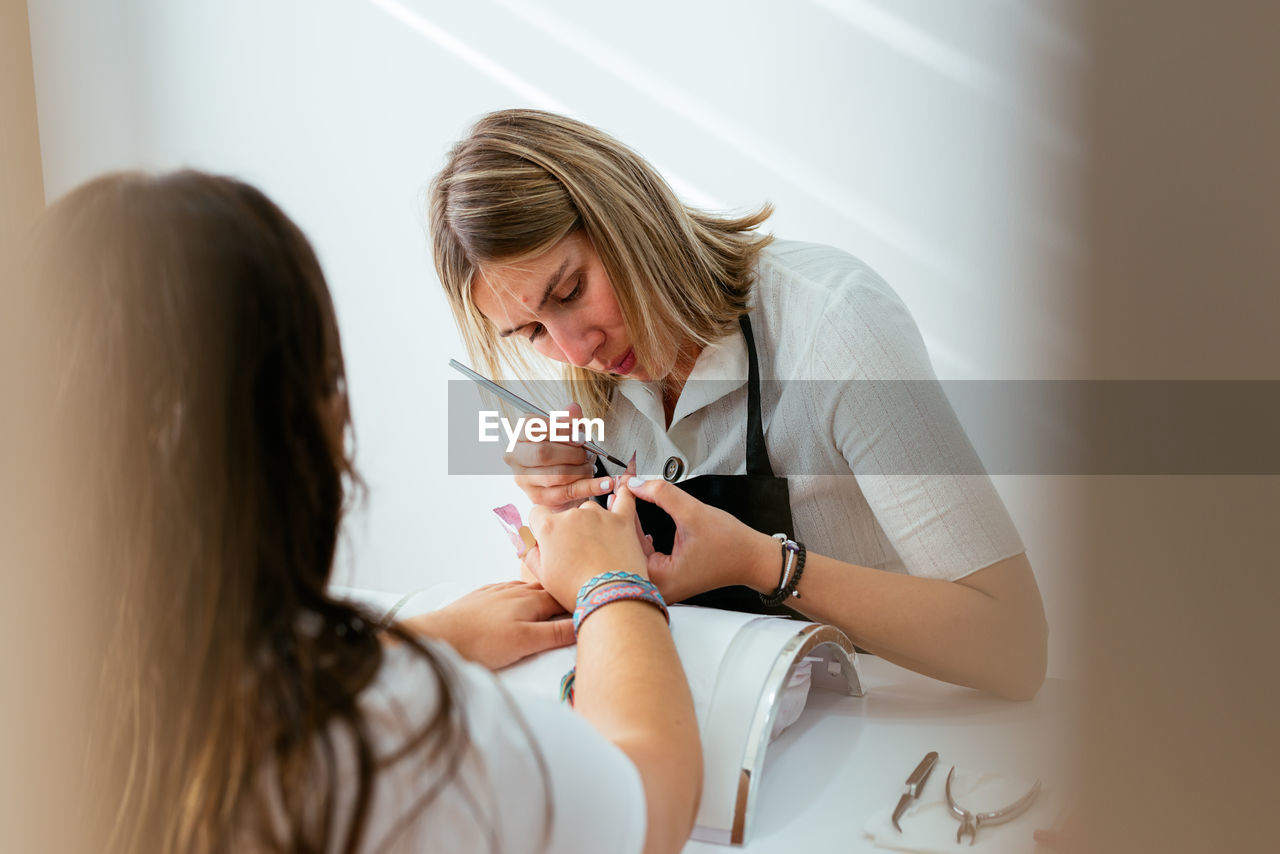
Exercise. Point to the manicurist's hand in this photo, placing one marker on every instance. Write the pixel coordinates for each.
(498, 624)
(711, 549)
(555, 475)
(575, 545)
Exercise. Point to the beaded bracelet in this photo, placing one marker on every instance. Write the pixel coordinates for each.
(604, 594)
(793, 554)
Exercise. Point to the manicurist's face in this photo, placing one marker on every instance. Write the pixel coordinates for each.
(563, 303)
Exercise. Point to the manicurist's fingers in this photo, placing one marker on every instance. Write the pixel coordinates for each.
(588, 487)
(671, 498)
(541, 454)
(624, 503)
(571, 493)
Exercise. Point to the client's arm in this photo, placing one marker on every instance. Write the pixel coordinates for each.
(630, 684)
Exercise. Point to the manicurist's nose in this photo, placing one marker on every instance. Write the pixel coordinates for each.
(578, 347)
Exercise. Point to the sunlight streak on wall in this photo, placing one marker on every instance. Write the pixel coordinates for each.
(817, 184)
(934, 53)
(535, 97)
(500, 74)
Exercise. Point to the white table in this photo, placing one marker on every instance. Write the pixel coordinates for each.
(847, 757)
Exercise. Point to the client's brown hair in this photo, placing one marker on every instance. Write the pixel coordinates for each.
(195, 389)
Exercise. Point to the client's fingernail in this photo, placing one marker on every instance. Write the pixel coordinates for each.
(605, 485)
(636, 481)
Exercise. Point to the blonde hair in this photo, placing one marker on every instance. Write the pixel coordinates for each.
(524, 179)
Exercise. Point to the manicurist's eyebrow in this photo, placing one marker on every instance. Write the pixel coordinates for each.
(553, 281)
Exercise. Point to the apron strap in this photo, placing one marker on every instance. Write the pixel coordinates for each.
(757, 456)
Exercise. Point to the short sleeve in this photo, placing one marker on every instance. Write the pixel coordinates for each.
(531, 778)
(596, 791)
(892, 423)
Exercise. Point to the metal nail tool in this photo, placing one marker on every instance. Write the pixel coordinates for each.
(971, 821)
(915, 785)
(518, 401)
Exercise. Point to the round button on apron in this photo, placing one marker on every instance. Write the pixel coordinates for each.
(672, 469)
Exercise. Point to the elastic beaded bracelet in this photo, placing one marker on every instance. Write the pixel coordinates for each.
(608, 578)
(645, 591)
(793, 555)
(794, 586)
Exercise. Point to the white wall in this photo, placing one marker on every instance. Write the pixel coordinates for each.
(935, 140)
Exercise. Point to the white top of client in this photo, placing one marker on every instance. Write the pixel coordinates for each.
(554, 785)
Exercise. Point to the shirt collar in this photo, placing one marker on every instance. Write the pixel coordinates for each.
(721, 368)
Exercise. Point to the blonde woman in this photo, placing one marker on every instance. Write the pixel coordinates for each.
(780, 389)
(196, 465)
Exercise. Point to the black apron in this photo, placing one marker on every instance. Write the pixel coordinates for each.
(758, 499)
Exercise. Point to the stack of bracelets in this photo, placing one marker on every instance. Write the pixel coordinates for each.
(792, 569)
(601, 590)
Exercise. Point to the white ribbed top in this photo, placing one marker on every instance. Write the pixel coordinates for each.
(880, 471)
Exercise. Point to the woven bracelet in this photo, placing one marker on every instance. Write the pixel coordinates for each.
(566, 686)
(608, 578)
(645, 591)
(602, 590)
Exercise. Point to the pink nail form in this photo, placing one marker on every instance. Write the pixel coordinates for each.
(517, 532)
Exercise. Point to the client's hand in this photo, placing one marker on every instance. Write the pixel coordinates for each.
(577, 544)
(498, 624)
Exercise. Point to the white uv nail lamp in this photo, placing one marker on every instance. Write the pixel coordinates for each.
(739, 719)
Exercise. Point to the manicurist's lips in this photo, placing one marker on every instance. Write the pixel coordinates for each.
(625, 365)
